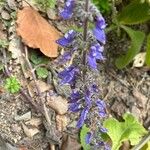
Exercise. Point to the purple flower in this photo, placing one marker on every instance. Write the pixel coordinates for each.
(88, 138)
(94, 88)
(100, 22)
(104, 130)
(95, 53)
(75, 96)
(67, 12)
(98, 31)
(67, 39)
(74, 107)
(68, 75)
(101, 106)
(82, 117)
(64, 58)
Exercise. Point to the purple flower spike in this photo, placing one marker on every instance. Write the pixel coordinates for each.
(68, 75)
(67, 39)
(95, 54)
(98, 31)
(67, 12)
(88, 138)
(82, 117)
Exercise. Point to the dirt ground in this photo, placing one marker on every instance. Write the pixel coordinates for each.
(22, 119)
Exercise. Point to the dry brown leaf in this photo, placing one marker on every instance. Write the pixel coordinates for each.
(36, 32)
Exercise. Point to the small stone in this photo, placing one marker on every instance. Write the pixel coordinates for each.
(58, 103)
(11, 4)
(51, 14)
(5, 15)
(26, 116)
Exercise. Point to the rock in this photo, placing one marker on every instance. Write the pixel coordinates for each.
(59, 104)
(26, 116)
(30, 132)
(15, 48)
(5, 15)
(12, 4)
(51, 14)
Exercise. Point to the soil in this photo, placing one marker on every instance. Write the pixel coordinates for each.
(124, 90)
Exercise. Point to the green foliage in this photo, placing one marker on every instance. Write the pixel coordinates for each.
(148, 51)
(2, 2)
(119, 132)
(137, 38)
(3, 43)
(146, 146)
(42, 72)
(45, 4)
(12, 85)
(83, 134)
(37, 58)
(103, 5)
(134, 13)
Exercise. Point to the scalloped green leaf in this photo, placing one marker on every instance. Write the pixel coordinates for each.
(137, 38)
(119, 132)
(134, 13)
(148, 51)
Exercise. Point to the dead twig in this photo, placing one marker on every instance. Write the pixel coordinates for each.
(37, 87)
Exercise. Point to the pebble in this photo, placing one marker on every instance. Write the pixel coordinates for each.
(5, 15)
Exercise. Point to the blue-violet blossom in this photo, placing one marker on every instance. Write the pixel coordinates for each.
(67, 12)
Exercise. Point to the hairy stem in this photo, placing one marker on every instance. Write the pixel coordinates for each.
(86, 21)
(85, 31)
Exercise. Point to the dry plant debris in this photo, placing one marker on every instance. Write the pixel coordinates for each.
(36, 32)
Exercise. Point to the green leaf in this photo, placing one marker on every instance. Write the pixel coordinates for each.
(83, 134)
(137, 38)
(146, 146)
(148, 51)
(134, 13)
(12, 85)
(42, 72)
(37, 58)
(119, 132)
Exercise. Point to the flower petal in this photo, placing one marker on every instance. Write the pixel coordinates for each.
(99, 34)
(82, 117)
(67, 12)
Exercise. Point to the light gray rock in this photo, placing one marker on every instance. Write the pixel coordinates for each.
(5, 15)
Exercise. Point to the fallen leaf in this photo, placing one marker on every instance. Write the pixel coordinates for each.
(139, 60)
(36, 32)
(59, 104)
(29, 132)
